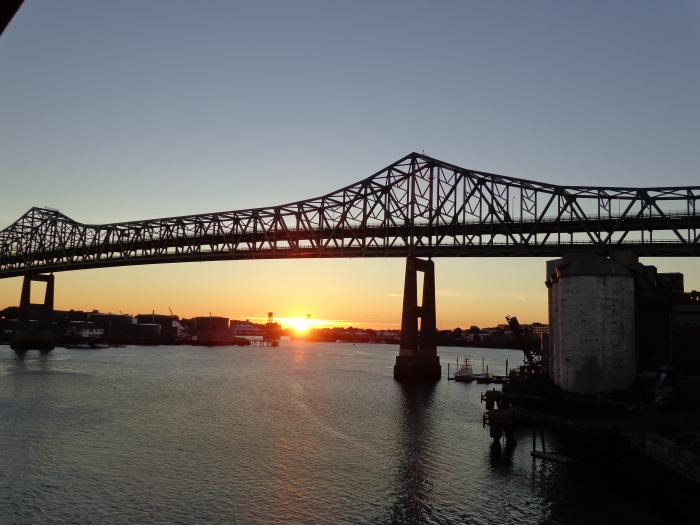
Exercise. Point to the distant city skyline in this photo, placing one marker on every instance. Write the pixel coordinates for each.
(130, 111)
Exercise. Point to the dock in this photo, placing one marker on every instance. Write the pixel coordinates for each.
(263, 342)
(668, 438)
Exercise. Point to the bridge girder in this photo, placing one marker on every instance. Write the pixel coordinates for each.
(416, 206)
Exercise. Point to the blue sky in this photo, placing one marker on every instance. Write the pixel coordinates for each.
(127, 110)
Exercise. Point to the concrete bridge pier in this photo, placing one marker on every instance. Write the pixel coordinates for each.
(35, 332)
(417, 360)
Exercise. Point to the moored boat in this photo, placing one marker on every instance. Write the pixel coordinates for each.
(465, 374)
(484, 378)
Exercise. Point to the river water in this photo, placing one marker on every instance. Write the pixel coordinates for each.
(303, 433)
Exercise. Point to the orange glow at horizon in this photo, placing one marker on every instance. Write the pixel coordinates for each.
(364, 293)
(302, 325)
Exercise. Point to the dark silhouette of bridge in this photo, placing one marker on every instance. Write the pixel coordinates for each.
(416, 207)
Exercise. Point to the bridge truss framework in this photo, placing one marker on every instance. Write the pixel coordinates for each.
(417, 206)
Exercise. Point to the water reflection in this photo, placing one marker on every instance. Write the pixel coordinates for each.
(240, 436)
(501, 455)
(415, 442)
(24, 360)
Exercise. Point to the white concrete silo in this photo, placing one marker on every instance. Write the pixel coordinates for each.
(593, 324)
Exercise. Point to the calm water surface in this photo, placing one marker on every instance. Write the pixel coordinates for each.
(305, 433)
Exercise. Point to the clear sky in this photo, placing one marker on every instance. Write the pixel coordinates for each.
(127, 110)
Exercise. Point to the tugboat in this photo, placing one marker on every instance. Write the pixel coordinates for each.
(465, 374)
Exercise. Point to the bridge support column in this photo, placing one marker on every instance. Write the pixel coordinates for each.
(35, 332)
(417, 360)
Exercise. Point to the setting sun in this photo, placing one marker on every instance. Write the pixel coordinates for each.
(300, 325)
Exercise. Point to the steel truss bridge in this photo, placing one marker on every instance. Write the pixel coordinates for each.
(417, 206)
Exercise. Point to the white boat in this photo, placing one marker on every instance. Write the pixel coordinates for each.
(465, 373)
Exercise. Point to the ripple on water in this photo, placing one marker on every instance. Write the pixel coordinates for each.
(306, 433)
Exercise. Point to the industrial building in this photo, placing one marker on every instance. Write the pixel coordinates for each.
(211, 330)
(613, 320)
(84, 331)
(167, 333)
(117, 327)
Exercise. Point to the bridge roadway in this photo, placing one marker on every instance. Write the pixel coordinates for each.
(417, 206)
